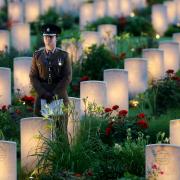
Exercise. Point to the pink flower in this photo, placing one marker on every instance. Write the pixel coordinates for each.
(154, 166)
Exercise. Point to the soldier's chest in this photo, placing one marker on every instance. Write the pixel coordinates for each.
(51, 64)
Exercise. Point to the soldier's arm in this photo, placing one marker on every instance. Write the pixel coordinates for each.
(67, 76)
(34, 78)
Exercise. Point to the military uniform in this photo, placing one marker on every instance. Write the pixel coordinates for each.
(50, 72)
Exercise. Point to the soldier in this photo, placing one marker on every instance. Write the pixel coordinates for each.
(51, 70)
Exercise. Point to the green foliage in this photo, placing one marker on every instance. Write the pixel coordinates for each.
(151, 2)
(144, 12)
(161, 124)
(9, 126)
(97, 60)
(3, 18)
(105, 20)
(139, 26)
(133, 159)
(164, 95)
(171, 30)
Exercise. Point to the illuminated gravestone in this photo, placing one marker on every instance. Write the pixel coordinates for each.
(107, 33)
(171, 11)
(138, 4)
(162, 162)
(112, 7)
(159, 18)
(117, 88)
(86, 14)
(22, 67)
(99, 9)
(137, 75)
(90, 38)
(74, 118)
(32, 10)
(95, 92)
(171, 55)
(155, 63)
(21, 37)
(8, 160)
(45, 5)
(72, 48)
(15, 11)
(174, 132)
(176, 37)
(177, 11)
(32, 130)
(74, 5)
(2, 3)
(125, 7)
(5, 86)
(61, 5)
(4, 43)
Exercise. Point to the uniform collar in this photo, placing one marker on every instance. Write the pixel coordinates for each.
(50, 51)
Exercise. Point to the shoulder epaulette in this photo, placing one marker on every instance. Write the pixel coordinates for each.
(61, 50)
(37, 52)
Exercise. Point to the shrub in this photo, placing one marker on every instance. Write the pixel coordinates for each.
(105, 20)
(151, 2)
(171, 30)
(164, 94)
(97, 60)
(139, 26)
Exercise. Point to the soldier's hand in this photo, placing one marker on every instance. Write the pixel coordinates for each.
(48, 96)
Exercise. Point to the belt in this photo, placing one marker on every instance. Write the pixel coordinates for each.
(53, 81)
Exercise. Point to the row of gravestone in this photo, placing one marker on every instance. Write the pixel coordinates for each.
(129, 81)
(162, 160)
(33, 132)
(29, 10)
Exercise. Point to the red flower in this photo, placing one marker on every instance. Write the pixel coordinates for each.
(75, 87)
(141, 115)
(107, 110)
(28, 100)
(4, 108)
(77, 175)
(142, 123)
(161, 172)
(84, 78)
(122, 22)
(89, 173)
(115, 107)
(170, 71)
(122, 55)
(123, 113)
(176, 78)
(108, 131)
(18, 111)
(30, 109)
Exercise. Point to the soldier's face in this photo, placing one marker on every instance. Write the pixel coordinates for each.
(49, 41)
